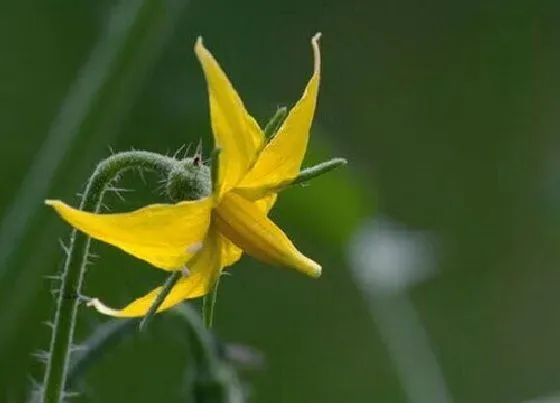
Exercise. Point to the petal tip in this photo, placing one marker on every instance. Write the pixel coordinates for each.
(310, 267)
(102, 308)
(55, 204)
(198, 45)
(316, 271)
(316, 52)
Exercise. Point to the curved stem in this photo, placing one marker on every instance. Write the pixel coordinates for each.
(77, 259)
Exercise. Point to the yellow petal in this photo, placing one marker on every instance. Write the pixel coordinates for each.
(266, 203)
(280, 161)
(165, 235)
(247, 226)
(206, 266)
(230, 252)
(236, 133)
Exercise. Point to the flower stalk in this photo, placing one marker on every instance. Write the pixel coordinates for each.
(214, 381)
(209, 300)
(208, 304)
(69, 295)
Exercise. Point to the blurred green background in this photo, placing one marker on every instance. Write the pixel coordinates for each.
(448, 112)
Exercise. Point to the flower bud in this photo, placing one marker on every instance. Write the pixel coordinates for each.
(189, 180)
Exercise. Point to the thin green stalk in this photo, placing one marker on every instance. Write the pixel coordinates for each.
(76, 262)
(208, 304)
(212, 380)
(209, 300)
(203, 344)
(165, 290)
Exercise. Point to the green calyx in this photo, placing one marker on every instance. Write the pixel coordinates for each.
(189, 179)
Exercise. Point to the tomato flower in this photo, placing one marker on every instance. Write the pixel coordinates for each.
(202, 237)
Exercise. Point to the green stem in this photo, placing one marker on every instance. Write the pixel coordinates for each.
(165, 290)
(214, 381)
(76, 262)
(209, 300)
(208, 304)
(203, 344)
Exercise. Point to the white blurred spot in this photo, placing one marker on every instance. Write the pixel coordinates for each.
(388, 258)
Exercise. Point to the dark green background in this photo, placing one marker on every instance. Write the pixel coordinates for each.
(448, 112)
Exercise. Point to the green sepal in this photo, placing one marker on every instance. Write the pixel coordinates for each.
(166, 289)
(317, 170)
(304, 176)
(275, 122)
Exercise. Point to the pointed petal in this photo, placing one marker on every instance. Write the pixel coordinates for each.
(248, 227)
(236, 133)
(165, 235)
(206, 266)
(280, 161)
(266, 203)
(230, 252)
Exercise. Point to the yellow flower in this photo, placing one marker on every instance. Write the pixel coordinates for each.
(202, 237)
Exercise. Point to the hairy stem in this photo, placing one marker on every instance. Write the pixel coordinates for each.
(76, 261)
